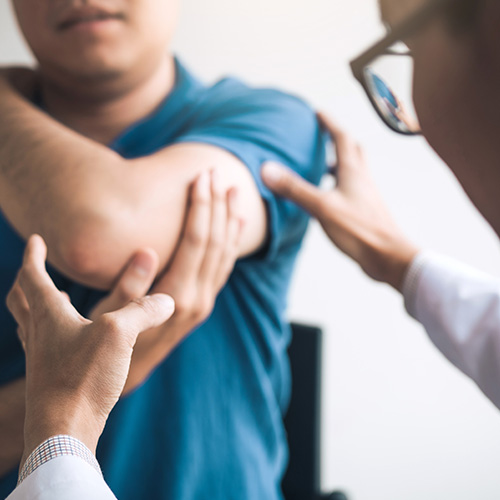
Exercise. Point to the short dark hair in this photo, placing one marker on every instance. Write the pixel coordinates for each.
(463, 14)
(459, 15)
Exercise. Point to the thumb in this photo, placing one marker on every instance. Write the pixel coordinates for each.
(288, 184)
(134, 282)
(141, 314)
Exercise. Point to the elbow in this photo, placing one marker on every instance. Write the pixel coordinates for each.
(87, 256)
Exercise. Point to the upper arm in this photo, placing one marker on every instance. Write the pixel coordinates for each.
(148, 199)
(146, 207)
(95, 208)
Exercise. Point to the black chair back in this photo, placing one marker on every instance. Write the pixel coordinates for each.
(302, 422)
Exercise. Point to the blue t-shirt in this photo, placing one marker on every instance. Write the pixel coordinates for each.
(208, 423)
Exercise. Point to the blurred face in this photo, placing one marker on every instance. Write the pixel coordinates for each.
(456, 94)
(94, 39)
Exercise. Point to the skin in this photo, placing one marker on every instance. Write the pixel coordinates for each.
(96, 80)
(201, 266)
(446, 97)
(353, 215)
(99, 78)
(80, 406)
(456, 81)
(52, 331)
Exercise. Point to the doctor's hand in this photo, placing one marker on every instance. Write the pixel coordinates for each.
(75, 368)
(353, 215)
(201, 266)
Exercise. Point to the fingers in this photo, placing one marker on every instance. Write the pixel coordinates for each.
(134, 282)
(191, 250)
(139, 315)
(207, 251)
(349, 153)
(218, 228)
(231, 247)
(36, 284)
(18, 306)
(289, 185)
(329, 124)
(34, 291)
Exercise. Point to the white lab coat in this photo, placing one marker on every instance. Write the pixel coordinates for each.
(66, 477)
(459, 308)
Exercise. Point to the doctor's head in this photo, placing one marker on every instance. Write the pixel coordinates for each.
(455, 46)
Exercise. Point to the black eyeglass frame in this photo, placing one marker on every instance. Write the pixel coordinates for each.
(403, 30)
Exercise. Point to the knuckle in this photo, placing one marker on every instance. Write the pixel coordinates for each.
(147, 306)
(217, 241)
(10, 298)
(195, 238)
(123, 294)
(219, 196)
(228, 258)
(204, 306)
(111, 324)
(194, 308)
(201, 199)
(24, 275)
(183, 304)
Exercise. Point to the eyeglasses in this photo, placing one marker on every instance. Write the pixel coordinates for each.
(386, 72)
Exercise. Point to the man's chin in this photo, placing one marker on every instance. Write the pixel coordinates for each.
(89, 82)
(85, 69)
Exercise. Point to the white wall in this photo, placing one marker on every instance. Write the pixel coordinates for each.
(399, 422)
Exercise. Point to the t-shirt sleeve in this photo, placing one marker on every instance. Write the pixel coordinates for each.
(258, 126)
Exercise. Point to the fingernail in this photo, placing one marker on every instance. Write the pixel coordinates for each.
(272, 173)
(142, 264)
(165, 301)
(203, 185)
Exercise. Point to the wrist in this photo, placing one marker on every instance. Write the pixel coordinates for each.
(388, 258)
(65, 419)
(396, 258)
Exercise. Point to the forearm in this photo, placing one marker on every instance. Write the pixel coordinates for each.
(48, 177)
(95, 209)
(12, 408)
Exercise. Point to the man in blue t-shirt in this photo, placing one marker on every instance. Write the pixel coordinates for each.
(107, 173)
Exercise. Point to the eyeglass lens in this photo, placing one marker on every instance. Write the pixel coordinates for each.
(389, 82)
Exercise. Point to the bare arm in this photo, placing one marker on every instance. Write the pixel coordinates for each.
(94, 208)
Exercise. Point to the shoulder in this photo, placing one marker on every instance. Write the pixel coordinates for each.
(278, 121)
(234, 100)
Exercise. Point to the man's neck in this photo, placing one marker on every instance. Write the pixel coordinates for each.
(121, 105)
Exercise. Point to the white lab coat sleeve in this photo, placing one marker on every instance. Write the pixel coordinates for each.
(460, 309)
(63, 478)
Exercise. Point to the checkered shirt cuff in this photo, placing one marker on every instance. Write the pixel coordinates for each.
(54, 447)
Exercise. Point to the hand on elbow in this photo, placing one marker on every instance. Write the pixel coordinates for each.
(205, 256)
